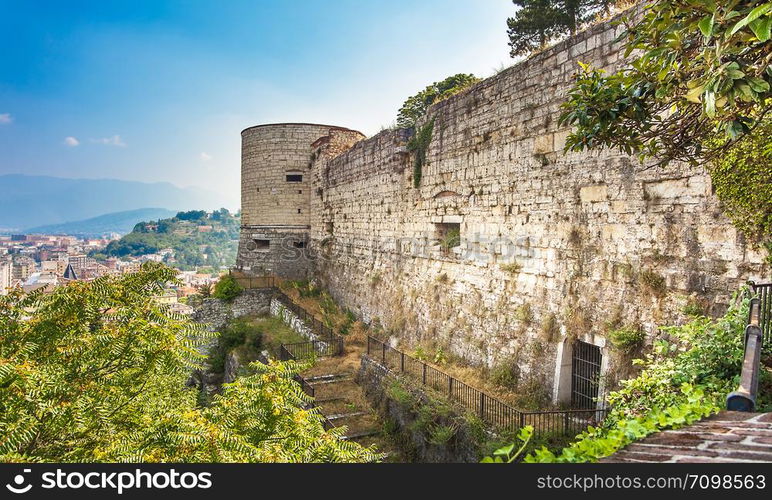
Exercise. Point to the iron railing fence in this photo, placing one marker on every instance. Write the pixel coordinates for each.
(328, 342)
(322, 330)
(311, 349)
(256, 282)
(490, 409)
(763, 291)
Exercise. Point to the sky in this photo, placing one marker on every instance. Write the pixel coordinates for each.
(160, 90)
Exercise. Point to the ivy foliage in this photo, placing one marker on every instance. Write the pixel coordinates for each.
(95, 372)
(419, 146)
(597, 443)
(742, 179)
(415, 107)
(701, 69)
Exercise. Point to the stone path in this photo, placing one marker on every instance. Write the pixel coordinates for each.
(343, 402)
(726, 437)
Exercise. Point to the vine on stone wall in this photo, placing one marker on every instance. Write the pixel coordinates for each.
(741, 179)
(419, 146)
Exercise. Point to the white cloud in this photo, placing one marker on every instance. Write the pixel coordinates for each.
(205, 156)
(71, 141)
(111, 141)
(5, 118)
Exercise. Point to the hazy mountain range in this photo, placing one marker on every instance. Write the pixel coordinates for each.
(31, 201)
(119, 222)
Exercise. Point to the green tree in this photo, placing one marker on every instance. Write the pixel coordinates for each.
(415, 106)
(191, 215)
(227, 288)
(96, 372)
(700, 80)
(537, 22)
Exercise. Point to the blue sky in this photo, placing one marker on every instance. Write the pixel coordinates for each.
(160, 90)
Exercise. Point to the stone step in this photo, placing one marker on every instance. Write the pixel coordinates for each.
(316, 383)
(341, 416)
(328, 377)
(362, 434)
(331, 399)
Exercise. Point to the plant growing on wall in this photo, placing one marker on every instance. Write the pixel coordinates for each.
(741, 179)
(419, 146)
(415, 107)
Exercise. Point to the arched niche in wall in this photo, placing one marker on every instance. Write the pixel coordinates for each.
(443, 195)
(448, 199)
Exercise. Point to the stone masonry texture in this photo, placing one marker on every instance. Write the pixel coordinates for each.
(554, 246)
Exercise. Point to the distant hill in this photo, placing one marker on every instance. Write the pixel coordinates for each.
(30, 201)
(196, 238)
(118, 222)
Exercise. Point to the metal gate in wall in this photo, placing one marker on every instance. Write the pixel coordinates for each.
(585, 375)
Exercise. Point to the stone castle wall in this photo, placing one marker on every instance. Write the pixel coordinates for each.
(553, 247)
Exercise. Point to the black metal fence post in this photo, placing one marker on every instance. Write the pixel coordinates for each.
(383, 353)
(402, 362)
(423, 377)
(482, 404)
(450, 386)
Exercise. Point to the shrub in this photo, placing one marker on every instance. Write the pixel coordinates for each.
(653, 283)
(512, 267)
(524, 314)
(694, 308)
(550, 330)
(628, 338)
(441, 434)
(506, 373)
(227, 288)
(450, 240)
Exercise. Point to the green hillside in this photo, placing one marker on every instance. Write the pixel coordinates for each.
(197, 238)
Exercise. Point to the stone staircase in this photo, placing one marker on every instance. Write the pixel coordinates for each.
(726, 437)
(343, 403)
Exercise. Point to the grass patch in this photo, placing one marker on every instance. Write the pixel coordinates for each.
(250, 335)
(512, 267)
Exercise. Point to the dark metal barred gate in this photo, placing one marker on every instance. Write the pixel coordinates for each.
(585, 375)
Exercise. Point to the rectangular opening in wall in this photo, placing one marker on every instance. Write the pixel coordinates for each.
(329, 227)
(448, 234)
(299, 244)
(586, 361)
(262, 245)
(294, 178)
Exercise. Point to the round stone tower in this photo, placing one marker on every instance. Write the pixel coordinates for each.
(276, 190)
